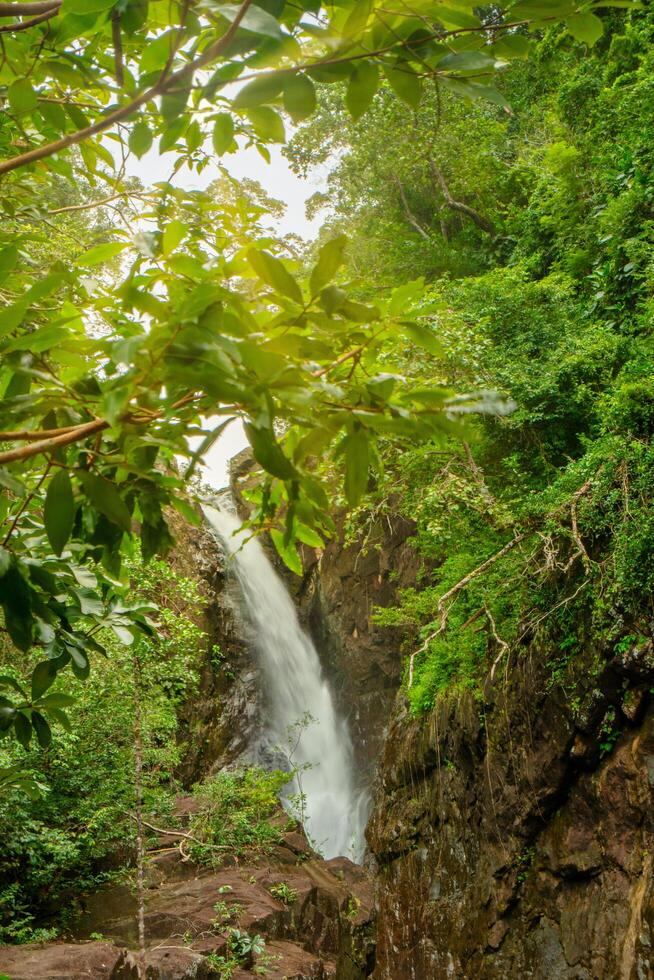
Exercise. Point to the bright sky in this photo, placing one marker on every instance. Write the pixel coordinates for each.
(280, 182)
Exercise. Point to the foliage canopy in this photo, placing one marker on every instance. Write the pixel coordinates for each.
(119, 342)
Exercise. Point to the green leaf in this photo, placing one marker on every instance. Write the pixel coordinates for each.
(510, 46)
(287, 552)
(359, 312)
(134, 16)
(423, 337)
(22, 97)
(173, 103)
(332, 299)
(101, 253)
(16, 600)
(59, 511)
(105, 497)
(140, 139)
(308, 536)
(267, 124)
(404, 297)
(174, 233)
(23, 730)
(405, 84)
(79, 663)
(11, 482)
(57, 700)
(86, 6)
(12, 317)
(156, 53)
(8, 259)
(223, 133)
(258, 91)
(362, 88)
(357, 18)
(43, 677)
(330, 258)
(256, 20)
(299, 97)
(465, 61)
(357, 458)
(274, 273)
(7, 681)
(61, 717)
(268, 453)
(42, 729)
(585, 27)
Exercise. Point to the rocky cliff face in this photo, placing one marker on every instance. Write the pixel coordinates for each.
(363, 661)
(514, 836)
(223, 719)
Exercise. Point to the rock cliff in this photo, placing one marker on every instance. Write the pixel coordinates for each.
(514, 834)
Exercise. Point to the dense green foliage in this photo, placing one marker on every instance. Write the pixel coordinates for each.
(80, 830)
(235, 813)
(551, 305)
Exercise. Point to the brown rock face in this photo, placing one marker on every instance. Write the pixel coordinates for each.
(222, 720)
(513, 841)
(68, 961)
(362, 660)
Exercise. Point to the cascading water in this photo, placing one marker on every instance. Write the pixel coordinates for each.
(334, 812)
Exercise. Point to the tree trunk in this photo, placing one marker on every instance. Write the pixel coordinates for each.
(459, 206)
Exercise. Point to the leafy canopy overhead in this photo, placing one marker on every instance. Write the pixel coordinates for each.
(131, 316)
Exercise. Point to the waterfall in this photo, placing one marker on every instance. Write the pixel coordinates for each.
(334, 812)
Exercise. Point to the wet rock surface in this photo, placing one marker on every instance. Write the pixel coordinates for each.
(514, 837)
(224, 718)
(363, 661)
(325, 932)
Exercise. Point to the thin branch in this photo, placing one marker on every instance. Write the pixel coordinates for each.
(356, 352)
(575, 528)
(461, 584)
(411, 218)
(166, 83)
(25, 9)
(79, 432)
(55, 442)
(25, 504)
(475, 573)
(33, 435)
(97, 204)
(23, 25)
(181, 833)
(502, 644)
(478, 475)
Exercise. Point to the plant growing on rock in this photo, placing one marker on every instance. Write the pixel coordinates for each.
(284, 893)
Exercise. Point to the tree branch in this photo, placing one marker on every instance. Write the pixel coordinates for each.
(97, 204)
(56, 438)
(55, 442)
(25, 9)
(411, 218)
(33, 435)
(459, 206)
(23, 25)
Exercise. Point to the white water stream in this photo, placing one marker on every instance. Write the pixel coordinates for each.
(294, 687)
